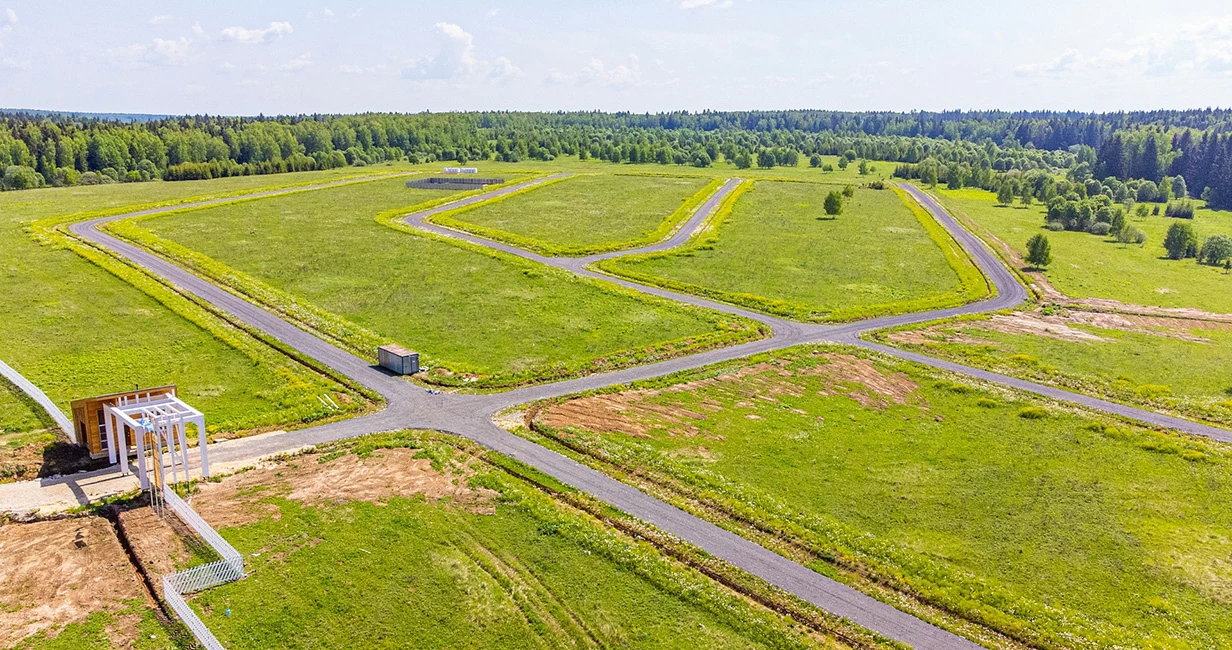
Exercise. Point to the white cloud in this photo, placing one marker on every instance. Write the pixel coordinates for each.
(1063, 63)
(160, 51)
(253, 36)
(1202, 48)
(298, 63)
(8, 63)
(491, 13)
(347, 68)
(596, 71)
(503, 68)
(694, 4)
(160, 19)
(10, 16)
(199, 32)
(454, 59)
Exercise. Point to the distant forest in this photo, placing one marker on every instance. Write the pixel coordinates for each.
(1116, 153)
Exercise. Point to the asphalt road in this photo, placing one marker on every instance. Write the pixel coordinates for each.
(470, 415)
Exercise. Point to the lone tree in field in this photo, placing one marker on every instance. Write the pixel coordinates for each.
(1118, 222)
(1181, 241)
(1005, 194)
(834, 203)
(1039, 252)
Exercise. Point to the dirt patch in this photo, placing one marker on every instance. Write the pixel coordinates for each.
(386, 473)
(1060, 327)
(872, 386)
(1179, 313)
(628, 413)
(633, 413)
(53, 573)
(159, 544)
(1030, 322)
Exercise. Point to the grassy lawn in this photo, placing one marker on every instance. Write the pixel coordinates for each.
(17, 413)
(1089, 266)
(589, 213)
(75, 329)
(453, 553)
(1056, 527)
(1172, 365)
(778, 252)
(469, 312)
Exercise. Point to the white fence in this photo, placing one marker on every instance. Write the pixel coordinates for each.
(229, 569)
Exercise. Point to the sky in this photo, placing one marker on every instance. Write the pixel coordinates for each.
(280, 57)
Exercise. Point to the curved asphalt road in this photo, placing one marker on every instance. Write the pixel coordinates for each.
(470, 415)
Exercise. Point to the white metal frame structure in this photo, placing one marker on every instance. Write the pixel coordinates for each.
(160, 421)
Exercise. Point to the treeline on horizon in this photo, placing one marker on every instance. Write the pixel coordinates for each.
(39, 150)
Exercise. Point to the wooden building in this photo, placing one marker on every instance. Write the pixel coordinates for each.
(90, 422)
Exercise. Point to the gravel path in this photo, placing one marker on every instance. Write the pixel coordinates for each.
(470, 415)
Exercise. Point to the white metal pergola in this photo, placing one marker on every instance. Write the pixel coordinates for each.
(159, 421)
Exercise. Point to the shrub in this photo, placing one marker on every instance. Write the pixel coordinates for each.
(1033, 412)
(1099, 228)
(834, 203)
(1055, 226)
(1148, 192)
(1131, 235)
(986, 403)
(1215, 249)
(849, 191)
(1180, 210)
(20, 177)
(1181, 241)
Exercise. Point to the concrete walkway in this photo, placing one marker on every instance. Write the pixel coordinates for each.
(470, 415)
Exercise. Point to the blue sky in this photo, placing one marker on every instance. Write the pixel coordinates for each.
(287, 57)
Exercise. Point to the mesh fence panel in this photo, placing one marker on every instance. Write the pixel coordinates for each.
(229, 569)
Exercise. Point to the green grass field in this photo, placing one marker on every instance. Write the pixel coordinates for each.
(1089, 266)
(75, 329)
(1054, 526)
(588, 213)
(17, 414)
(496, 565)
(1170, 365)
(778, 252)
(495, 317)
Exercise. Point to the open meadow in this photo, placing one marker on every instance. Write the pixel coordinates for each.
(472, 313)
(778, 251)
(77, 329)
(588, 213)
(1093, 266)
(1054, 526)
(412, 540)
